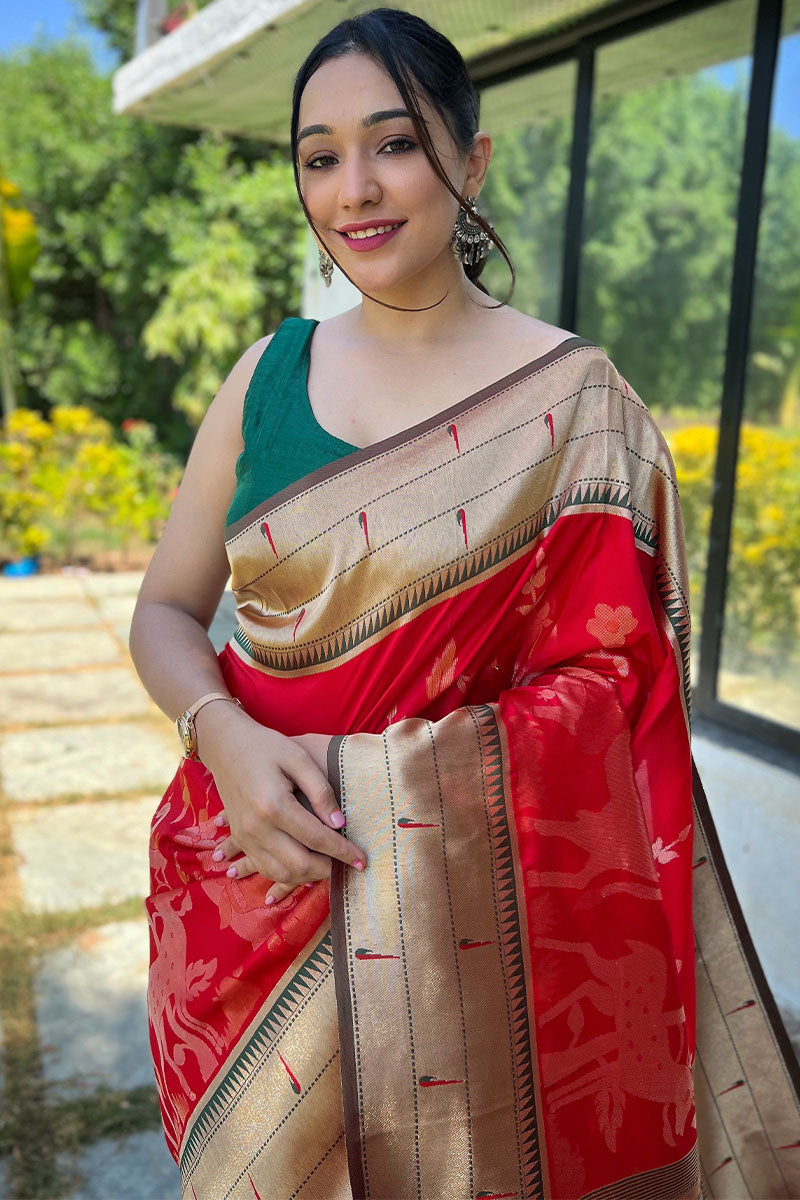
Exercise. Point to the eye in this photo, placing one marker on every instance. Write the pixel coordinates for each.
(320, 162)
(399, 145)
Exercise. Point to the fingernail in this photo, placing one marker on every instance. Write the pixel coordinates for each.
(232, 872)
(219, 821)
(358, 864)
(338, 819)
(218, 856)
(270, 900)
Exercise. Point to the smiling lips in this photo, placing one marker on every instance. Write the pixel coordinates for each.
(369, 237)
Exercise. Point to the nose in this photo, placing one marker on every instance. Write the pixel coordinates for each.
(358, 183)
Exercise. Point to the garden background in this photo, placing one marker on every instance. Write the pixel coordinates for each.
(138, 261)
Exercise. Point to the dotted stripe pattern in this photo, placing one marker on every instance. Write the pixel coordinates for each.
(456, 963)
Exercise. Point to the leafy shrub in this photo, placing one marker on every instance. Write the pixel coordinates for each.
(67, 479)
(762, 608)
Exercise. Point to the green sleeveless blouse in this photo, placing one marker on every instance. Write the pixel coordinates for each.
(282, 439)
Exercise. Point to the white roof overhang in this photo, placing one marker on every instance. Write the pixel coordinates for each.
(231, 67)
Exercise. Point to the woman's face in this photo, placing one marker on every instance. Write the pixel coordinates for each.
(362, 169)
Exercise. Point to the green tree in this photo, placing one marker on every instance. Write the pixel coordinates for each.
(116, 19)
(660, 217)
(234, 242)
(130, 215)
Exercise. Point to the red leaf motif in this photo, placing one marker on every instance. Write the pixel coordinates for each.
(297, 623)
(609, 1106)
(443, 672)
(575, 1021)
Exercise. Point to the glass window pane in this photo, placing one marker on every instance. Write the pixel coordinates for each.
(525, 195)
(664, 167)
(760, 669)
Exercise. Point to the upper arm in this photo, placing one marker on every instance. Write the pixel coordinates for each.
(189, 568)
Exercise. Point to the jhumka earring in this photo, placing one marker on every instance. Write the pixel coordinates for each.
(325, 267)
(470, 243)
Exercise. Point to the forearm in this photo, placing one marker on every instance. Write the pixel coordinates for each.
(174, 657)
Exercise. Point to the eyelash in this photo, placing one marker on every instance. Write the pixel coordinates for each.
(406, 143)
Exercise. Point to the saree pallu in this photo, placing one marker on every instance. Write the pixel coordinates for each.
(489, 612)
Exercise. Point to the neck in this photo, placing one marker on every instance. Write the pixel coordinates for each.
(450, 319)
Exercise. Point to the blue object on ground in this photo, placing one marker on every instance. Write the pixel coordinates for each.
(22, 566)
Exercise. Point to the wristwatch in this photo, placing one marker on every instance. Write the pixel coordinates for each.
(185, 722)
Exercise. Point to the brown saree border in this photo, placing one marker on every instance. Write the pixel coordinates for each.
(363, 455)
(759, 979)
(344, 1008)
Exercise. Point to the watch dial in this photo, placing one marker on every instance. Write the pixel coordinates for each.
(185, 734)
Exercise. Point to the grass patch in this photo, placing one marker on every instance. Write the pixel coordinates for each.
(36, 1128)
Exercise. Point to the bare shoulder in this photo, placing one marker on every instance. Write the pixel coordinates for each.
(537, 336)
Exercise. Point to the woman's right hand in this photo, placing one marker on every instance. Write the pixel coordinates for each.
(256, 771)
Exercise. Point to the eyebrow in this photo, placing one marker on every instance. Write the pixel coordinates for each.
(376, 118)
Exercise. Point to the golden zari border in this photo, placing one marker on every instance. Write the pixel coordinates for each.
(493, 483)
(282, 1077)
(439, 1065)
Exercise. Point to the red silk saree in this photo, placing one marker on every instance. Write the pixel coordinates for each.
(489, 611)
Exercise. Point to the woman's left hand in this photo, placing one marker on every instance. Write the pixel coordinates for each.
(315, 744)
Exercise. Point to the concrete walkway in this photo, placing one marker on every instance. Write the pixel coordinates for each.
(84, 757)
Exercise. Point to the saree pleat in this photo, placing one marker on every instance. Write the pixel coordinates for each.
(489, 612)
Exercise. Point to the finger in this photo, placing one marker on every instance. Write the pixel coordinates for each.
(279, 891)
(288, 861)
(221, 819)
(228, 848)
(283, 861)
(305, 828)
(241, 869)
(315, 788)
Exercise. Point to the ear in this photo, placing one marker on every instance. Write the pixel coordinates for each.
(478, 162)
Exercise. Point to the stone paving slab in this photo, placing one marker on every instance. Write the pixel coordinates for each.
(56, 651)
(80, 760)
(117, 610)
(91, 1010)
(112, 583)
(60, 697)
(138, 1167)
(84, 854)
(17, 615)
(32, 587)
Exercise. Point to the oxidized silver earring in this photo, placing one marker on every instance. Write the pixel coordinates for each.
(325, 267)
(470, 243)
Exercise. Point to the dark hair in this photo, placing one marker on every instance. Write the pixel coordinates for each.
(418, 59)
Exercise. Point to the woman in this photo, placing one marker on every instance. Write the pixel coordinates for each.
(463, 631)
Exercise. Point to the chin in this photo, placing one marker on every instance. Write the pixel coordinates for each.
(383, 283)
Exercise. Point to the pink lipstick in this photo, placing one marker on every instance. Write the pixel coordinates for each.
(368, 240)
